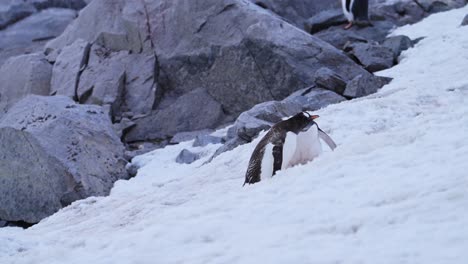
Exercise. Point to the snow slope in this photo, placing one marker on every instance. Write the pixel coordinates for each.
(394, 191)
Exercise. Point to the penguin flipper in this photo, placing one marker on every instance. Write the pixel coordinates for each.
(277, 158)
(327, 139)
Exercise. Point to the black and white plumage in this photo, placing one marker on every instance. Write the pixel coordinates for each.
(288, 143)
(356, 11)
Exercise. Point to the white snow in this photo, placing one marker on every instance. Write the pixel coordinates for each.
(395, 190)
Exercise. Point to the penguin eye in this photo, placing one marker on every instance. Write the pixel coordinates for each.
(306, 114)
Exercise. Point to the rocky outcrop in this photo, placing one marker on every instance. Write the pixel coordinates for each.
(373, 57)
(397, 44)
(238, 53)
(21, 76)
(465, 21)
(187, 157)
(54, 152)
(363, 86)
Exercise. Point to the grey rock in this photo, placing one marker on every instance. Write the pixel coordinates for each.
(434, 6)
(398, 44)
(297, 11)
(267, 59)
(139, 148)
(71, 152)
(203, 140)
(193, 111)
(326, 78)
(45, 4)
(324, 20)
(67, 69)
(373, 57)
(313, 99)
(102, 22)
(187, 157)
(103, 80)
(363, 86)
(13, 11)
(23, 75)
(123, 126)
(46, 24)
(465, 21)
(3, 223)
(187, 136)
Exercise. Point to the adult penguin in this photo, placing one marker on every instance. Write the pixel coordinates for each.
(288, 143)
(356, 11)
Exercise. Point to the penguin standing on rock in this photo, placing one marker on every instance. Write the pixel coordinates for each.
(288, 143)
(356, 11)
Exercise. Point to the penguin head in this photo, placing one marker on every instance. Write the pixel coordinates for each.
(302, 121)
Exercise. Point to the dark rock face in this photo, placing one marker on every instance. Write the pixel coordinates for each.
(398, 44)
(372, 57)
(363, 86)
(54, 152)
(193, 111)
(326, 78)
(23, 75)
(324, 20)
(186, 157)
(465, 21)
(296, 11)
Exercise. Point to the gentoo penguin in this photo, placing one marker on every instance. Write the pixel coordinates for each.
(356, 12)
(288, 143)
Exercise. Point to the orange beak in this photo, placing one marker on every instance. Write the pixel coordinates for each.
(314, 117)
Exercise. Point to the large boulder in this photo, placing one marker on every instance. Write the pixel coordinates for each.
(373, 57)
(23, 75)
(53, 152)
(195, 110)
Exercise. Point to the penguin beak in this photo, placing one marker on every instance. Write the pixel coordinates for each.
(314, 117)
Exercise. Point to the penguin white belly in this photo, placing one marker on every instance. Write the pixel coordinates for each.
(266, 170)
(289, 148)
(308, 147)
(349, 15)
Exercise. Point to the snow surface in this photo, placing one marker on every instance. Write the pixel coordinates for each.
(395, 190)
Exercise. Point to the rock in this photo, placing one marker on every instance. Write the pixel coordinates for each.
(193, 111)
(67, 69)
(46, 24)
(203, 140)
(434, 6)
(324, 20)
(123, 126)
(326, 78)
(398, 44)
(102, 22)
(187, 136)
(186, 157)
(373, 57)
(23, 75)
(103, 80)
(312, 99)
(3, 223)
(263, 62)
(45, 4)
(14, 11)
(297, 11)
(465, 21)
(54, 152)
(363, 86)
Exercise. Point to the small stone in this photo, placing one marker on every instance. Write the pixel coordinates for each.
(186, 157)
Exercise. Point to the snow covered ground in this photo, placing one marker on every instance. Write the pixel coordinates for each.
(394, 191)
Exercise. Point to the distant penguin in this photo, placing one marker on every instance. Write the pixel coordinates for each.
(288, 143)
(356, 11)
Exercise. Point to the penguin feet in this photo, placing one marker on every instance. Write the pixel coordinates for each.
(348, 26)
